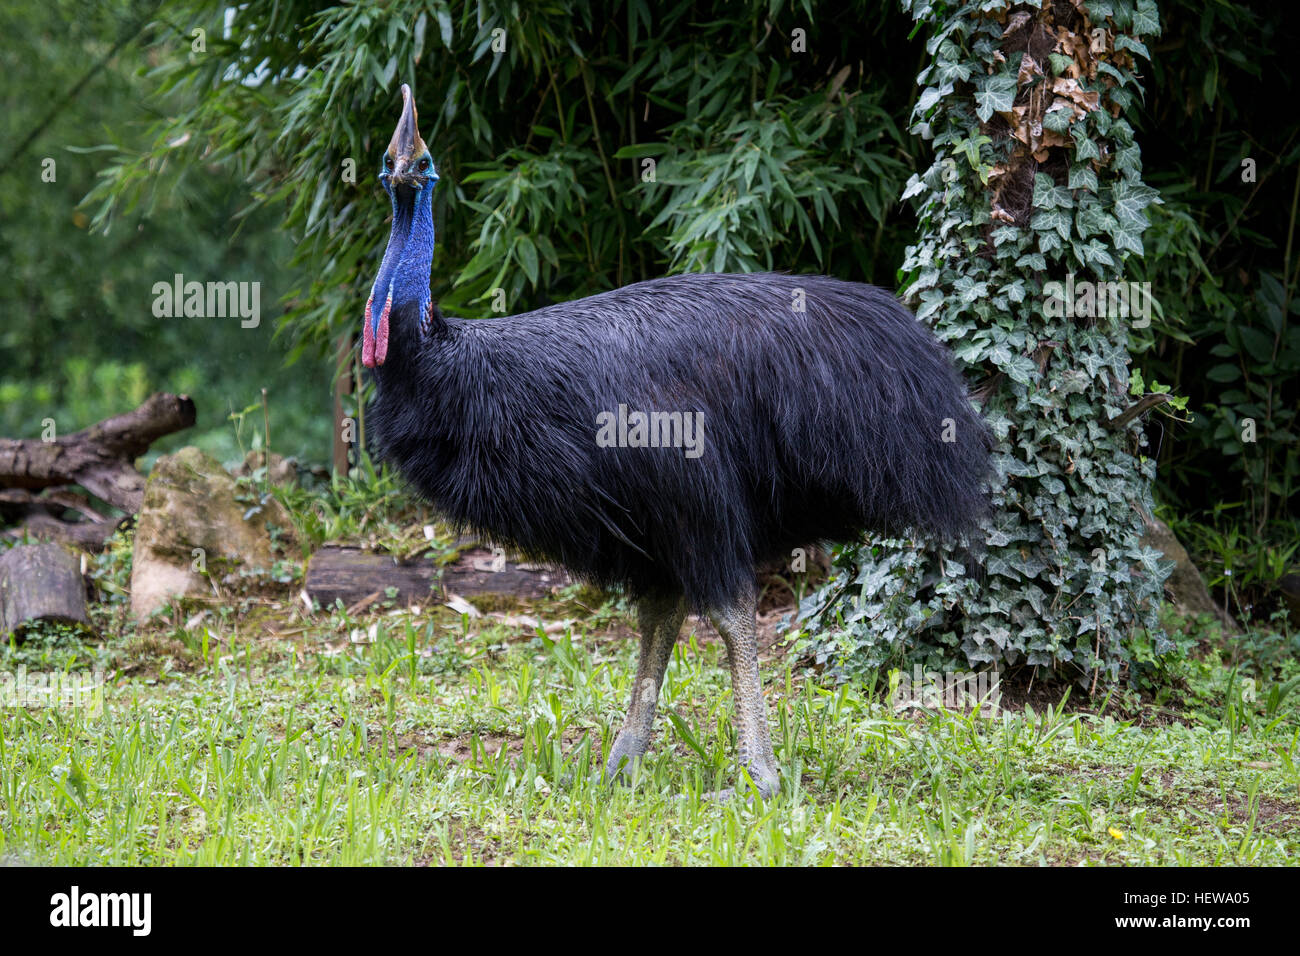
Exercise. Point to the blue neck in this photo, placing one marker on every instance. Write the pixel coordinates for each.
(408, 259)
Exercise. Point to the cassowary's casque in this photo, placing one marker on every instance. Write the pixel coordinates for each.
(668, 436)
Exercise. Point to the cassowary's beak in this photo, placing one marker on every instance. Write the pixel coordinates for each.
(406, 147)
(406, 163)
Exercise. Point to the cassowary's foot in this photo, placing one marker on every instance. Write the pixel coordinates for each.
(624, 755)
(660, 620)
(763, 781)
(754, 743)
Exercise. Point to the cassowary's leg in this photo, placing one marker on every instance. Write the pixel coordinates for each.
(737, 626)
(660, 620)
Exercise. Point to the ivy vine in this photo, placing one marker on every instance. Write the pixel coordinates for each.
(1036, 180)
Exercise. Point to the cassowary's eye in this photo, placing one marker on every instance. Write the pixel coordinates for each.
(424, 164)
(388, 162)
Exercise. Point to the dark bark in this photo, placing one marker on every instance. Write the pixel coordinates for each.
(355, 576)
(41, 582)
(100, 458)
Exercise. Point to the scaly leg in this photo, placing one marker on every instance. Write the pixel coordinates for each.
(737, 626)
(660, 620)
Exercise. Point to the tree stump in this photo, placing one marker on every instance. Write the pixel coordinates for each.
(41, 582)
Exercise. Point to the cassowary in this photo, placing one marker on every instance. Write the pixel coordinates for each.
(668, 436)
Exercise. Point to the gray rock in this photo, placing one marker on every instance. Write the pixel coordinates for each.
(1185, 587)
(191, 528)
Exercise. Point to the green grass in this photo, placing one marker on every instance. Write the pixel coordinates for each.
(456, 741)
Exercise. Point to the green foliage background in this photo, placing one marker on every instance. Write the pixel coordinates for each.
(79, 340)
(223, 160)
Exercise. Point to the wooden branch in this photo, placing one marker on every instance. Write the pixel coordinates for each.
(53, 501)
(100, 458)
(82, 534)
(1140, 407)
(342, 387)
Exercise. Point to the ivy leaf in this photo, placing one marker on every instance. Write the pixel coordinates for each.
(1021, 368)
(1128, 239)
(1084, 147)
(1126, 42)
(1048, 195)
(1095, 254)
(1119, 76)
(970, 147)
(994, 94)
(950, 64)
(1060, 62)
(930, 96)
(927, 279)
(1129, 202)
(1005, 234)
(1099, 10)
(1057, 118)
(1082, 176)
(1092, 219)
(970, 349)
(1128, 160)
(1050, 219)
(1015, 291)
(970, 291)
(1146, 18)
(931, 300)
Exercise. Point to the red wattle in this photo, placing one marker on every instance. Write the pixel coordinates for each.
(381, 337)
(368, 338)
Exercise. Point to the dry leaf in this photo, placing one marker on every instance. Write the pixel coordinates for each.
(1089, 100)
(1028, 69)
(516, 620)
(1018, 20)
(461, 606)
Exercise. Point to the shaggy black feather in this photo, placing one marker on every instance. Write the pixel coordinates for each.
(817, 425)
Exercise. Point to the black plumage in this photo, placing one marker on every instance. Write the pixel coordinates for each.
(820, 409)
(816, 425)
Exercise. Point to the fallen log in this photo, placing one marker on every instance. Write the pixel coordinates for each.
(41, 582)
(86, 535)
(101, 459)
(358, 577)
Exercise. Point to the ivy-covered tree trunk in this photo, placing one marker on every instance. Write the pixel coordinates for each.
(1028, 215)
